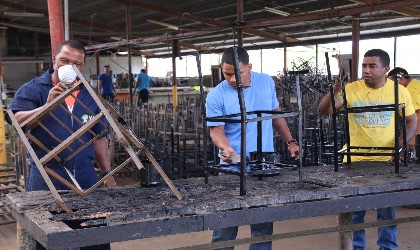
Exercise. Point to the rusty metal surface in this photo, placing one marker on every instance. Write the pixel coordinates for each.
(136, 212)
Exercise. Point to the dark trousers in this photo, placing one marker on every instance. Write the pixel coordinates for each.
(108, 97)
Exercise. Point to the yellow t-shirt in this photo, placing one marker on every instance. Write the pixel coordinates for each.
(374, 129)
(414, 88)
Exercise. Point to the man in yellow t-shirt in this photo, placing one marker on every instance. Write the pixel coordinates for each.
(413, 86)
(373, 128)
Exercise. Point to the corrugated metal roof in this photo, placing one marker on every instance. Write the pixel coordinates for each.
(210, 25)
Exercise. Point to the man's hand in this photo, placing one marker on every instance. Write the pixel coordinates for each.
(412, 144)
(110, 182)
(294, 150)
(227, 154)
(337, 84)
(57, 90)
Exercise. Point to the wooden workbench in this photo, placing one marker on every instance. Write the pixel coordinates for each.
(136, 212)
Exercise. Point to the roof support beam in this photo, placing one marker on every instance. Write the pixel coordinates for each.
(205, 20)
(119, 46)
(153, 39)
(21, 7)
(407, 11)
(193, 46)
(331, 13)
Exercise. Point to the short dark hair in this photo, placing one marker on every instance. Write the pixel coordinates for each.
(143, 71)
(399, 71)
(73, 44)
(383, 56)
(243, 56)
(106, 66)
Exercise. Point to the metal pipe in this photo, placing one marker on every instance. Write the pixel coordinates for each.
(397, 127)
(242, 109)
(203, 110)
(299, 95)
(334, 113)
(66, 20)
(128, 30)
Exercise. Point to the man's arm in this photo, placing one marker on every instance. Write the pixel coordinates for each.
(325, 105)
(99, 86)
(102, 158)
(281, 127)
(137, 83)
(220, 140)
(22, 116)
(412, 128)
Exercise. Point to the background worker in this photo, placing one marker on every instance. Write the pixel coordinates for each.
(413, 86)
(142, 87)
(33, 96)
(106, 85)
(259, 94)
(373, 129)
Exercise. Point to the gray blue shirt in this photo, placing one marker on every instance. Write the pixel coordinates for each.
(261, 95)
(144, 81)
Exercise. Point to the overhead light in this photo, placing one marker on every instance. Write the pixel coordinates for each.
(276, 11)
(122, 52)
(167, 25)
(23, 14)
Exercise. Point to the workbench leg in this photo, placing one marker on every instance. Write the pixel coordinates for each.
(346, 238)
(24, 240)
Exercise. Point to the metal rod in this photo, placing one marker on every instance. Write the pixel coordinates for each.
(242, 109)
(299, 96)
(397, 126)
(259, 138)
(203, 111)
(346, 116)
(404, 136)
(334, 113)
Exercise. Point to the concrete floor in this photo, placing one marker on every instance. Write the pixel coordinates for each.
(408, 235)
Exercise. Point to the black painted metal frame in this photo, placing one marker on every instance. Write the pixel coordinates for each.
(400, 123)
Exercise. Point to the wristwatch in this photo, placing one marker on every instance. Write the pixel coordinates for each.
(292, 141)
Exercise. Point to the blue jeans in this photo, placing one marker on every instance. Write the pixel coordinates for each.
(257, 230)
(387, 236)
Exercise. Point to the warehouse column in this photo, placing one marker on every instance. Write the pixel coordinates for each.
(175, 52)
(3, 155)
(98, 71)
(285, 59)
(240, 17)
(36, 45)
(55, 15)
(346, 238)
(355, 47)
(130, 75)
